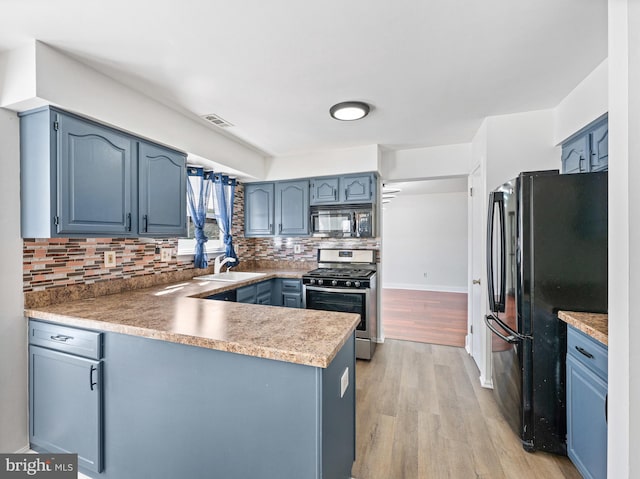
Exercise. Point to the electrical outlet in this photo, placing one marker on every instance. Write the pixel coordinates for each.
(165, 255)
(297, 248)
(344, 382)
(109, 259)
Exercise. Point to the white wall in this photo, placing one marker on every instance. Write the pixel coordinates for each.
(519, 142)
(426, 163)
(425, 233)
(69, 84)
(323, 163)
(13, 327)
(588, 101)
(624, 239)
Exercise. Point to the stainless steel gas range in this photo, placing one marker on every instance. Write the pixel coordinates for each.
(346, 282)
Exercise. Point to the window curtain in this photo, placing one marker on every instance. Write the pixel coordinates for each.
(224, 190)
(198, 192)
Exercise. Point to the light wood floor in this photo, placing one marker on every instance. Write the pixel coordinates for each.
(425, 316)
(422, 414)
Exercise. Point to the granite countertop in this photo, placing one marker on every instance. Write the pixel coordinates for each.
(595, 325)
(175, 313)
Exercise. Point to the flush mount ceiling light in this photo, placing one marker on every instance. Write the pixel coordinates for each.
(349, 110)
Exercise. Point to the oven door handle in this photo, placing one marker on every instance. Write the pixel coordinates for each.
(334, 289)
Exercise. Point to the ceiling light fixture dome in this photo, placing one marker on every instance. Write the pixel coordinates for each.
(349, 110)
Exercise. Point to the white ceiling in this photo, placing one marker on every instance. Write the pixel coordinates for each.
(431, 69)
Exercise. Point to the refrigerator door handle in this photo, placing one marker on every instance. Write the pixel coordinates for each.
(511, 339)
(496, 202)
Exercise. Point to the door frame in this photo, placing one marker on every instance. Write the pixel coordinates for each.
(477, 238)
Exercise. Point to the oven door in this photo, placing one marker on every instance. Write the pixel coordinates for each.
(342, 300)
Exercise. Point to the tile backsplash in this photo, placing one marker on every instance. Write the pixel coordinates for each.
(59, 262)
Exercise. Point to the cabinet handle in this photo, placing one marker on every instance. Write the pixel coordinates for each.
(584, 352)
(145, 222)
(128, 221)
(346, 193)
(270, 227)
(580, 163)
(280, 228)
(61, 337)
(91, 383)
(335, 194)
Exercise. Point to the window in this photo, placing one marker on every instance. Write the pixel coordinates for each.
(187, 246)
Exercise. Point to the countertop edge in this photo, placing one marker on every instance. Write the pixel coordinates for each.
(594, 325)
(279, 354)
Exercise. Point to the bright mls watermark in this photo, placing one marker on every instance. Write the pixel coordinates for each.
(45, 466)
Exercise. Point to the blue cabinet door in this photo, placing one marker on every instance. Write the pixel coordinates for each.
(258, 209)
(65, 405)
(600, 147)
(575, 154)
(586, 420)
(292, 208)
(247, 294)
(161, 191)
(325, 191)
(356, 189)
(292, 300)
(96, 178)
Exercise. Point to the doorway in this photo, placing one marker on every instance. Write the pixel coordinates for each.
(424, 258)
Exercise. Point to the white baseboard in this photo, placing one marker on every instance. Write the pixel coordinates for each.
(426, 287)
(486, 382)
(467, 344)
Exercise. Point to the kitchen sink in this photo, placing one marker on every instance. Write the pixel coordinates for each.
(230, 276)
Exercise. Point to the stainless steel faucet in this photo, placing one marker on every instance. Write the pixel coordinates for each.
(218, 263)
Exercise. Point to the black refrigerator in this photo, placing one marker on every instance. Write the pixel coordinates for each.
(546, 251)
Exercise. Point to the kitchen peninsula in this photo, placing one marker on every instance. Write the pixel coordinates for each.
(190, 387)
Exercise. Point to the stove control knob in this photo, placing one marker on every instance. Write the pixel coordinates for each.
(357, 284)
(312, 281)
(334, 283)
(347, 284)
(320, 281)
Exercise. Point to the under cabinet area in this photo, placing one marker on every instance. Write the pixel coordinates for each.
(274, 292)
(66, 392)
(587, 404)
(80, 179)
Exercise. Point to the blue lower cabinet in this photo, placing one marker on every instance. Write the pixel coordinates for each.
(587, 404)
(174, 411)
(66, 393)
(247, 294)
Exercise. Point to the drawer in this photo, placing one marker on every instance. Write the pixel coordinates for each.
(264, 287)
(69, 340)
(291, 285)
(588, 351)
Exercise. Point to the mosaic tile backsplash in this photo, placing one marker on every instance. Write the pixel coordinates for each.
(59, 262)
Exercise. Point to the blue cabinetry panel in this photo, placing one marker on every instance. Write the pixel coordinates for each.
(162, 191)
(586, 404)
(588, 150)
(258, 209)
(325, 191)
(292, 208)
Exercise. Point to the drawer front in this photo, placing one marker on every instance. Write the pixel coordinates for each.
(291, 285)
(69, 340)
(264, 288)
(588, 351)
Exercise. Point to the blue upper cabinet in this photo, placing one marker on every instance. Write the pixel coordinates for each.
(95, 178)
(292, 208)
(574, 155)
(358, 188)
(258, 209)
(588, 150)
(600, 147)
(81, 179)
(162, 181)
(325, 191)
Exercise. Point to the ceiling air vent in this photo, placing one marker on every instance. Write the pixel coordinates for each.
(216, 120)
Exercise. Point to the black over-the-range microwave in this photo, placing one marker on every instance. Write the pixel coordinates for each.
(343, 221)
